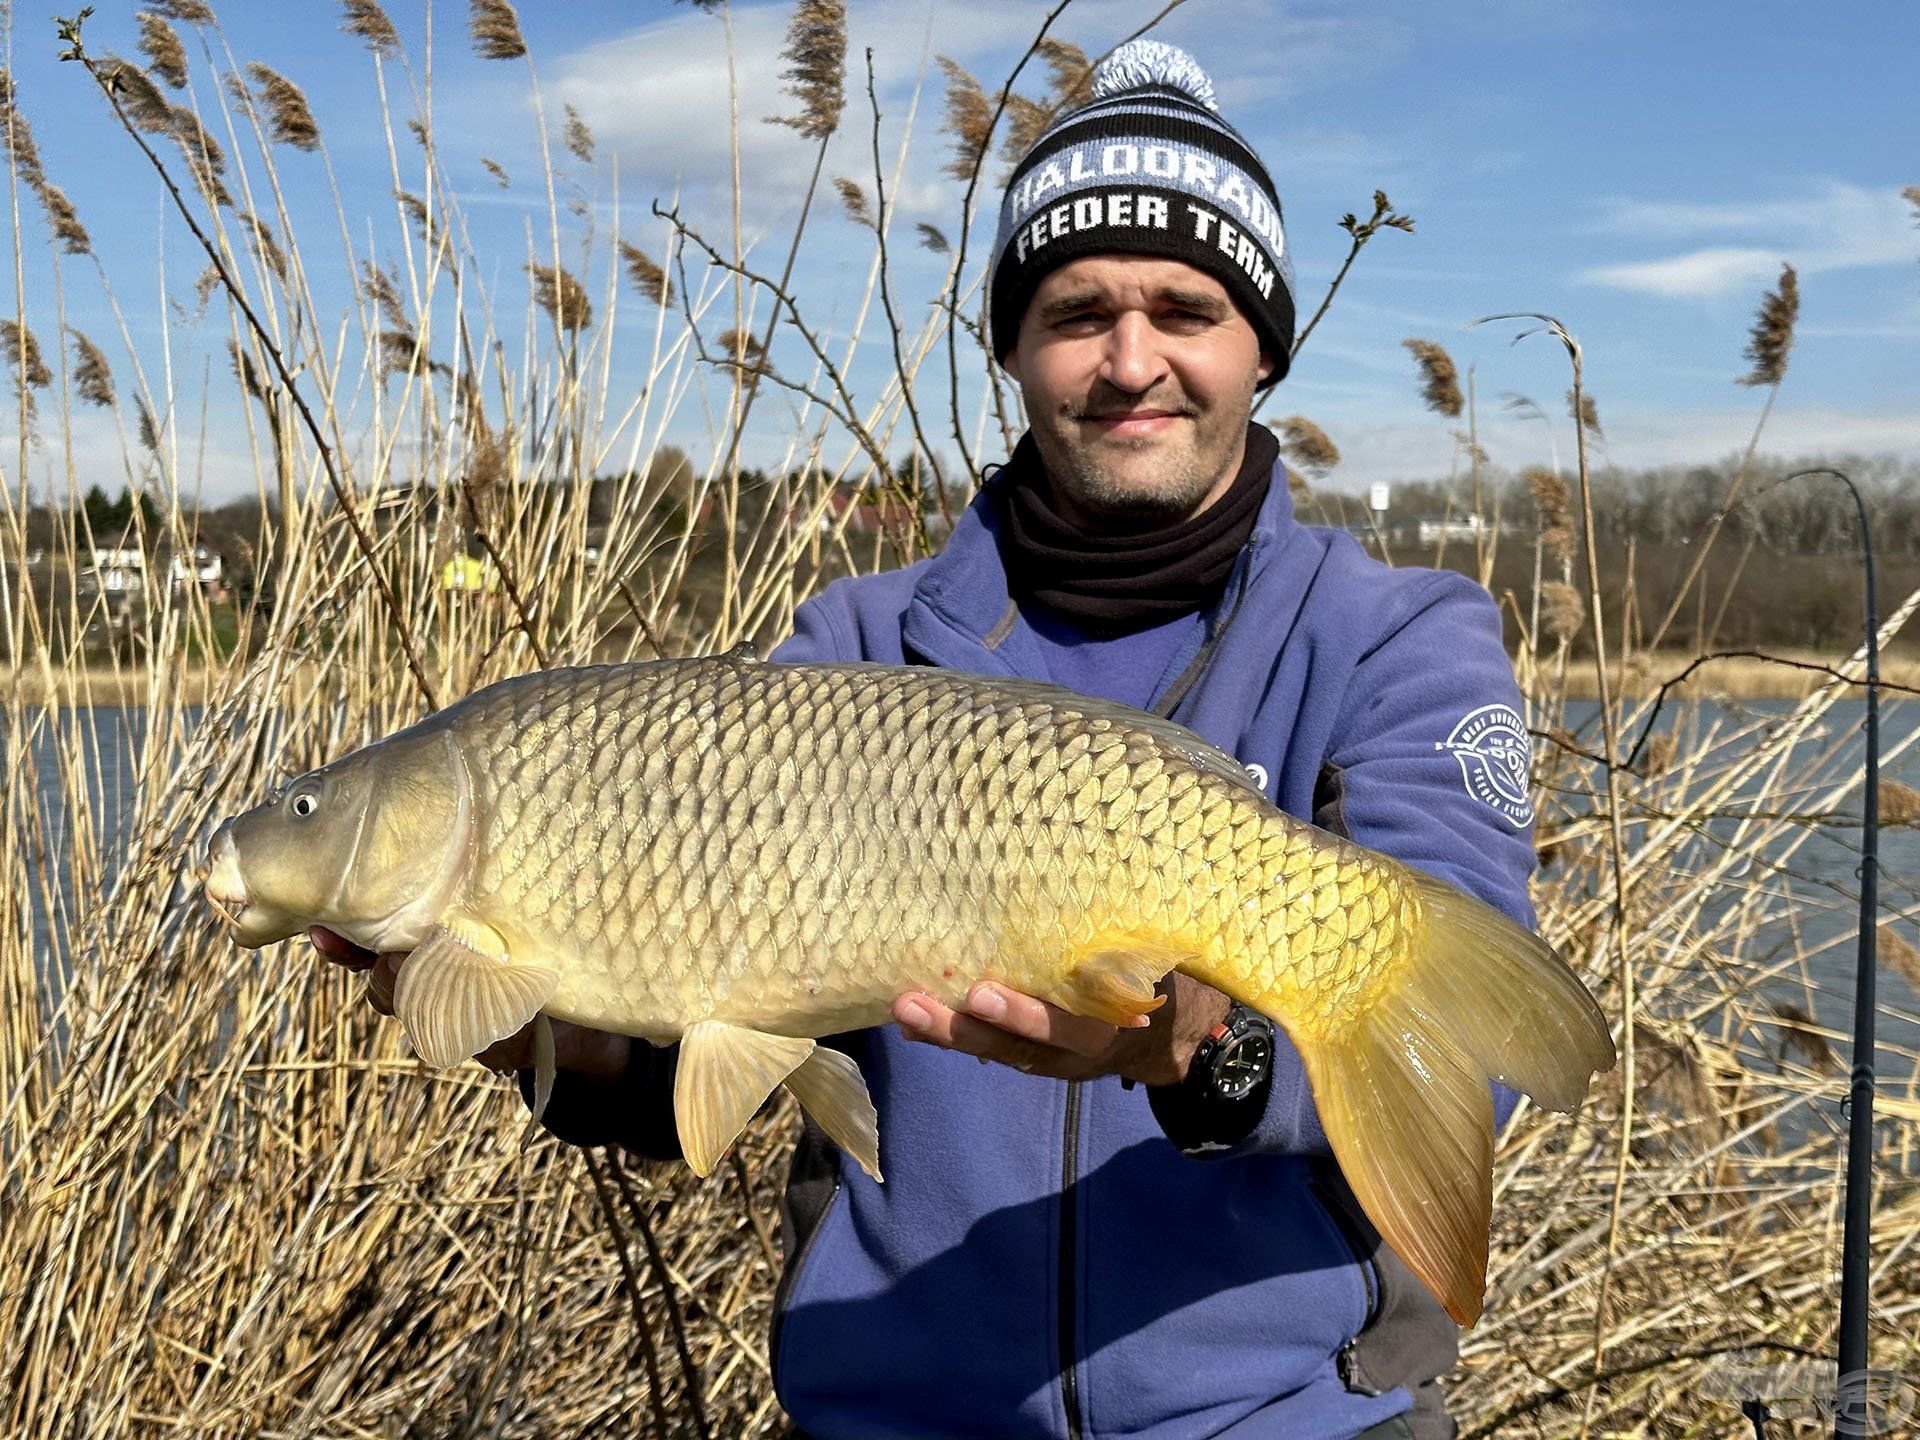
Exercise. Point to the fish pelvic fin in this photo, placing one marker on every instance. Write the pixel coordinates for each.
(1403, 1089)
(830, 1088)
(459, 991)
(725, 1074)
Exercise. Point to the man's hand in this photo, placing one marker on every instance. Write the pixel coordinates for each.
(1002, 1024)
(596, 1054)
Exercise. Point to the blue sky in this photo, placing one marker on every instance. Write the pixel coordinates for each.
(1638, 169)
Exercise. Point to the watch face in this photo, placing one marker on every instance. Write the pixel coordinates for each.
(1244, 1062)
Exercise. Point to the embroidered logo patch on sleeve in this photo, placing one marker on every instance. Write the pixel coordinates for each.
(1495, 758)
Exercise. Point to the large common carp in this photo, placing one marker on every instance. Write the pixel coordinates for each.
(744, 856)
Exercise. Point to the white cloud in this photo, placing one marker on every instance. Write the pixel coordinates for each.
(1713, 271)
(1838, 226)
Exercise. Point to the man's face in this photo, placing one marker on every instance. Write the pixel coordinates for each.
(1138, 374)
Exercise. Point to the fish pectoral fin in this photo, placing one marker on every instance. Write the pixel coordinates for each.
(459, 991)
(725, 1074)
(830, 1088)
(1114, 980)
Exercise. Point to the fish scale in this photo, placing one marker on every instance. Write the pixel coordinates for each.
(743, 857)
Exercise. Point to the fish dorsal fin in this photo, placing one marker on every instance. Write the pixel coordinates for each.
(725, 1074)
(830, 1088)
(459, 991)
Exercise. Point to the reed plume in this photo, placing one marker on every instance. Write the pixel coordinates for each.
(816, 57)
(1657, 758)
(1439, 380)
(1911, 194)
(378, 286)
(969, 119)
(495, 29)
(67, 228)
(145, 106)
(745, 350)
(1306, 445)
(367, 20)
(268, 248)
(1072, 73)
(289, 119)
(187, 12)
(563, 298)
(1896, 950)
(92, 380)
(933, 239)
(1899, 803)
(494, 168)
(1553, 508)
(1026, 119)
(23, 353)
(646, 275)
(855, 201)
(1586, 413)
(415, 208)
(1562, 611)
(578, 138)
(1798, 1034)
(160, 43)
(1770, 341)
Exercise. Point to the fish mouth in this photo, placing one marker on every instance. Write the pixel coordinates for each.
(221, 882)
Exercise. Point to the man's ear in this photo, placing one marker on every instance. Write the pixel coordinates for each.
(1010, 362)
(1265, 367)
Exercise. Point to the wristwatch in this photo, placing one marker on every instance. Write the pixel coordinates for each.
(1225, 1090)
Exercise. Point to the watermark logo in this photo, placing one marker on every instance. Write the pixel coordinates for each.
(1871, 1402)
(1495, 758)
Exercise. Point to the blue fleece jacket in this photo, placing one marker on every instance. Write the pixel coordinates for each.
(1041, 1260)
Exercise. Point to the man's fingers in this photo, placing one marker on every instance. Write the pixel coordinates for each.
(340, 950)
(381, 978)
(1030, 1035)
(1035, 1020)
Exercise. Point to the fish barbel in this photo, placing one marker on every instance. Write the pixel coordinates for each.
(744, 856)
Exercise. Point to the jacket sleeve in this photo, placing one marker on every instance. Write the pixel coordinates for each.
(635, 1110)
(1428, 762)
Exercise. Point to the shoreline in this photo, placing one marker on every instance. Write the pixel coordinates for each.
(1736, 678)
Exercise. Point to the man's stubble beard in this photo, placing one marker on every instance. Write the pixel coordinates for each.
(1174, 495)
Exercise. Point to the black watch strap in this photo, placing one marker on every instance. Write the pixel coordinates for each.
(1226, 1087)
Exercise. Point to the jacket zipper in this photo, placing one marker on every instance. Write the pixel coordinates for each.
(1068, 1277)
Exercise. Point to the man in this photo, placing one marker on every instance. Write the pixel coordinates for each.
(1136, 1232)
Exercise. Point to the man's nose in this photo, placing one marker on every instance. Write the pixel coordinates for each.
(1133, 361)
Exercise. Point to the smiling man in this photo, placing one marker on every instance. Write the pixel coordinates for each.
(1134, 1232)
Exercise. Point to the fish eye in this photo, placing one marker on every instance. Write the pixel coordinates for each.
(304, 804)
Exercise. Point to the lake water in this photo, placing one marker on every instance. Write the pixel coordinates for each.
(1816, 899)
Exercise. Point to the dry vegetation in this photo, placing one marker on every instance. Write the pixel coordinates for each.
(233, 1205)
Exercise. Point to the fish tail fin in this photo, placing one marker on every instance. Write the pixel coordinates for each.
(1403, 1093)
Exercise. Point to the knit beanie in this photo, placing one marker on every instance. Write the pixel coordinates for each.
(1147, 167)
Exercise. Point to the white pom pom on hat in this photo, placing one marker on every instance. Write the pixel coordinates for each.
(1152, 62)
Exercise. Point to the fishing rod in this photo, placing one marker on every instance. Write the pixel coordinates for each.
(1852, 1399)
